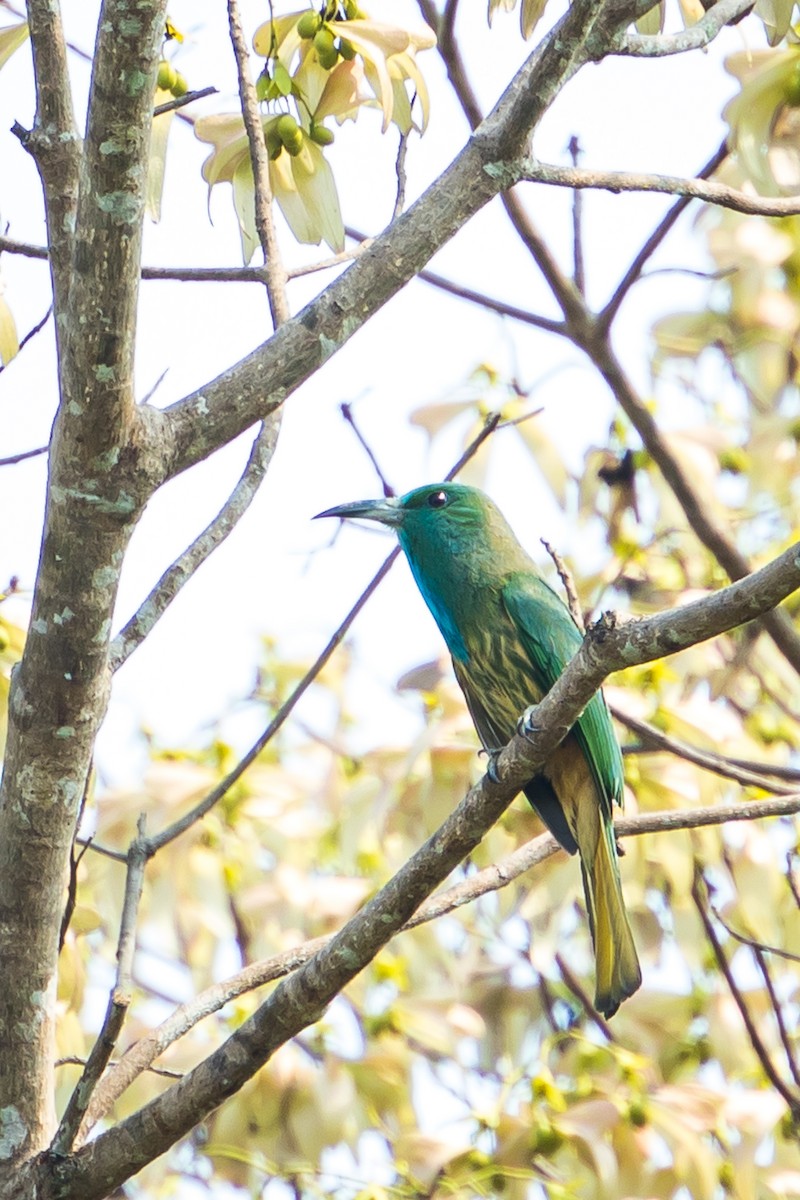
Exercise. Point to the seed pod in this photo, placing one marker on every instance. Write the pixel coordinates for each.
(346, 49)
(290, 134)
(321, 135)
(274, 143)
(166, 76)
(309, 23)
(325, 46)
(180, 87)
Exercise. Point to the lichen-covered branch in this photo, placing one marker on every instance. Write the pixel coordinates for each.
(54, 142)
(98, 482)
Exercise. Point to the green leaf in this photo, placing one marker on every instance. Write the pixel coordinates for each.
(653, 21)
(11, 38)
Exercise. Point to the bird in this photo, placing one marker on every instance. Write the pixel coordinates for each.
(510, 636)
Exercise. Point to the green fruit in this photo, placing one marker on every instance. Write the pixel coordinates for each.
(290, 134)
(346, 49)
(166, 76)
(325, 46)
(793, 88)
(180, 87)
(274, 143)
(321, 135)
(309, 23)
(637, 1113)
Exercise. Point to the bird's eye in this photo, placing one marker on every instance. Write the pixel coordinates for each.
(437, 499)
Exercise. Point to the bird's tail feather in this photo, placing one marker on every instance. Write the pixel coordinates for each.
(618, 971)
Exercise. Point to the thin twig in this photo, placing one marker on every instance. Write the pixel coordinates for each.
(347, 412)
(777, 1008)
(790, 879)
(74, 1060)
(37, 328)
(655, 239)
(275, 272)
(718, 764)
(753, 943)
(170, 832)
(709, 191)
(325, 264)
(152, 609)
(13, 459)
(480, 298)
(760, 1050)
(490, 879)
(182, 101)
(565, 575)
(400, 172)
(578, 267)
(580, 993)
(118, 1001)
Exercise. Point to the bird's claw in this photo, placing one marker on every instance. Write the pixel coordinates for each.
(526, 727)
(491, 765)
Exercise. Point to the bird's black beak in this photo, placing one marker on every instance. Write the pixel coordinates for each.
(387, 512)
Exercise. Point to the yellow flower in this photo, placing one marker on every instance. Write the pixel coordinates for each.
(764, 119)
(302, 183)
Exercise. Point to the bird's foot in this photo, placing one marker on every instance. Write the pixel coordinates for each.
(491, 764)
(526, 725)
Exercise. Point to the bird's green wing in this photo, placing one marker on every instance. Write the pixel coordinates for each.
(551, 638)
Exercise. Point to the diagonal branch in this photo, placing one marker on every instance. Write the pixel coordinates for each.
(300, 1000)
(152, 609)
(756, 1041)
(261, 382)
(655, 239)
(754, 775)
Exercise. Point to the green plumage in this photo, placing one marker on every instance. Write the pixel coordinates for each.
(510, 637)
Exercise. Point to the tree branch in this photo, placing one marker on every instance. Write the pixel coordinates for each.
(152, 609)
(757, 775)
(261, 382)
(54, 141)
(118, 1001)
(759, 1048)
(709, 191)
(703, 32)
(301, 999)
(658, 235)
